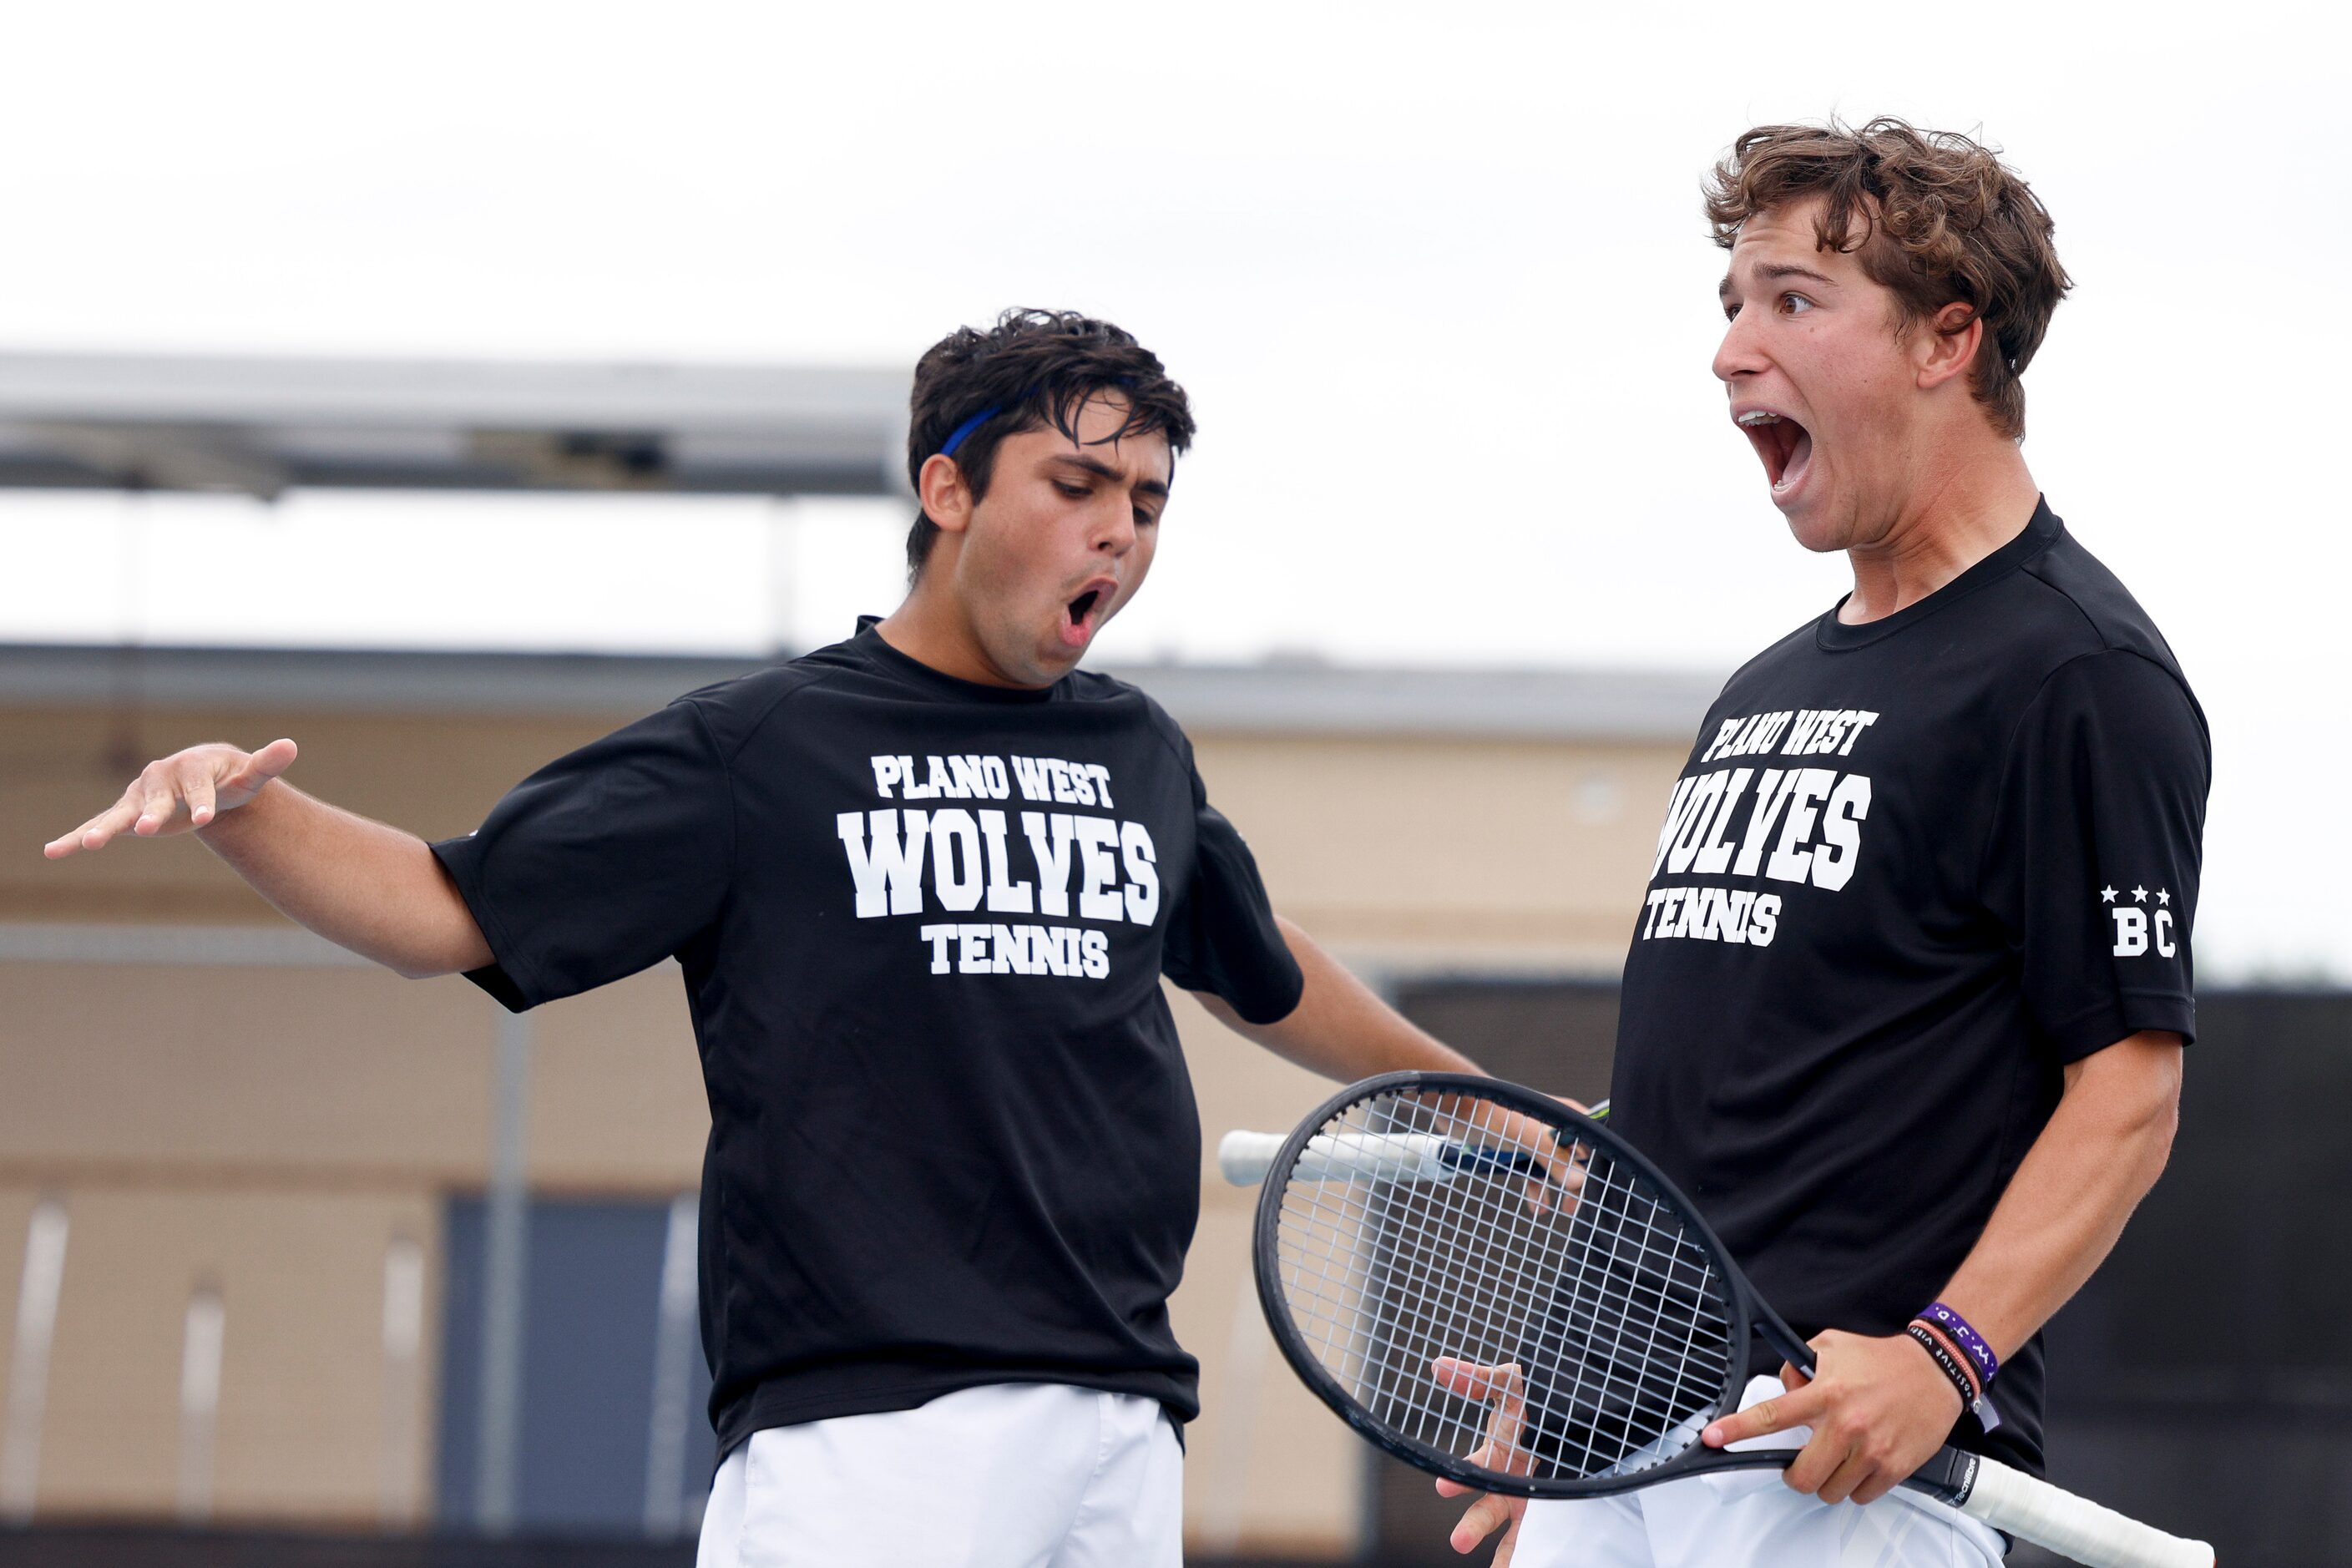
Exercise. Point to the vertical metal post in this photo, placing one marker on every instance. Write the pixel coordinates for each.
(28, 1368)
(200, 1387)
(673, 1371)
(506, 1244)
(403, 1384)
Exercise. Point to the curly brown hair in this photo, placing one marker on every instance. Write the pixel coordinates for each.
(1932, 216)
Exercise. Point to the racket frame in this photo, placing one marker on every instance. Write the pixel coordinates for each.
(1949, 1476)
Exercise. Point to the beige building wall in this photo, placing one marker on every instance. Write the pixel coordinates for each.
(270, 1132)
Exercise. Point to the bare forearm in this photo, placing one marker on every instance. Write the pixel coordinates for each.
(2104, 1148)
(1340, 1028)
(375, 890)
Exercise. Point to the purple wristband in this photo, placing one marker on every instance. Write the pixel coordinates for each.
(1967, 1338)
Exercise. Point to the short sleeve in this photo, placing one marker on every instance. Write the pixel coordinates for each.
(602, 863)
(1222, 937)
(2093, 862)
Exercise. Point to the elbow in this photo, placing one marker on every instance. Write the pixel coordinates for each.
(461, 954)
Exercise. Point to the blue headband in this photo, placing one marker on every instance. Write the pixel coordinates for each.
(947, 447)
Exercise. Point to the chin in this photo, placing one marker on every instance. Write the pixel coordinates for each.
(1811, 536)
(1813, 526)
(1048, 663)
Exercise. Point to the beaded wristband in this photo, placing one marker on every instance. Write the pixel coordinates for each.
(1944, 1359)
(1972, 1343)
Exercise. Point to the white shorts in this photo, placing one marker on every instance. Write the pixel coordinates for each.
(1750, 1519)
(1011, 1475)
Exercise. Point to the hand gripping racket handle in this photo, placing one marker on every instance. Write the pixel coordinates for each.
(2075, 1527)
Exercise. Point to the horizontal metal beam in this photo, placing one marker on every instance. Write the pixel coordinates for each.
(262, 425)
(1279, 699)
(233, 947)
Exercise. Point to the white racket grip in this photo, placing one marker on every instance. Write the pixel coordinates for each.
(2030, 1509)
(1245, 1157)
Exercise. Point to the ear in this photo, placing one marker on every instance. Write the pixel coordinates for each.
(1942, 353)
(946, 498)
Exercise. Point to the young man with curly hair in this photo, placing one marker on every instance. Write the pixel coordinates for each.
(1905, 1003)
(923, 884)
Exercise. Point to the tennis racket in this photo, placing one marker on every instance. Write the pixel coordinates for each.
(1421, 1215)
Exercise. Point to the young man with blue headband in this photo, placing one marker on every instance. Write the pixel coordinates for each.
(923, 884)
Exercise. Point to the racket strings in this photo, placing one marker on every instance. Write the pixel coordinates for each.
(1610, 1310)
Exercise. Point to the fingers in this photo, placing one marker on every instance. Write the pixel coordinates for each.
(1501, 1452)
(198, 792)
(1796, 1408)
(95, 833)
(159, 801)
(1482, 1519)
(1472, 1381)
(203, 781)
(1502, 1387)
(263, 765)
(1828, 1471)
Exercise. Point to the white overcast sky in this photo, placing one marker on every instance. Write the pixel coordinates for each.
(1435, 276)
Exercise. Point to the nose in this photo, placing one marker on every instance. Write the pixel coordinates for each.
(1741, 354)
(1114, 527)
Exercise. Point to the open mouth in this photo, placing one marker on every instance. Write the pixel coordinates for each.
(1785, 445)
(1085, 610)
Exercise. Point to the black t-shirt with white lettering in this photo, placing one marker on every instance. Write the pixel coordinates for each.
(1913, 869)
(923, 924)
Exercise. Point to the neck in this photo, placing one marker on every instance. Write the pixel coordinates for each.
(931, 628)
(1964, 514)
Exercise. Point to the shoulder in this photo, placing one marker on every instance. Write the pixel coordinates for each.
(2091, 635)
(1094, 687)
(732, 711)
(2082, 595)
(1795, 644)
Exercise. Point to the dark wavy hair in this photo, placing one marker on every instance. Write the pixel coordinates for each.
(1035, 368)
(1932, 216)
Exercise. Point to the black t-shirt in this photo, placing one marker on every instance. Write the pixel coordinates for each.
(1914, 868)
(923, 924)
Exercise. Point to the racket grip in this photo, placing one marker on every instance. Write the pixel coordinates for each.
(1245, 1157)
(2010, 1500)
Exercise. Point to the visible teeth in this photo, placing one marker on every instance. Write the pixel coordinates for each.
(1760, 417)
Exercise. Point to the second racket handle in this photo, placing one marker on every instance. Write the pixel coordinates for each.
(1244, 1158)
(2076, 1527)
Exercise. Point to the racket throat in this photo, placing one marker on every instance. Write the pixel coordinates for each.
(1948, 1477)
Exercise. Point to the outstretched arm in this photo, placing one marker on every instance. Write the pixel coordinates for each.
(360, 884)
(1879, 1407)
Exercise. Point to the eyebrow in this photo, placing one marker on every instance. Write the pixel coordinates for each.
(1101, 469)
(1772, 272)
